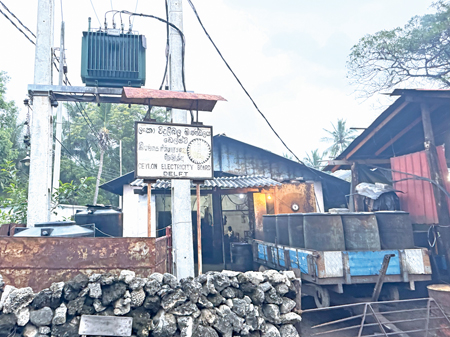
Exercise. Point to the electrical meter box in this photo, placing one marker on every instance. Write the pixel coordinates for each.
(112, 58)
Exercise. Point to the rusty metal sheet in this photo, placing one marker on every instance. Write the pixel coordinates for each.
(37, 262)
(171, 99)
(417, 198)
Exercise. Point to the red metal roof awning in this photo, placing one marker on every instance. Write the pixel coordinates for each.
(170, 99)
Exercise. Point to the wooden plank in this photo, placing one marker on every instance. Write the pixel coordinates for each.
(93, 325)
(373, 132)
(398, 135)
(358, 161)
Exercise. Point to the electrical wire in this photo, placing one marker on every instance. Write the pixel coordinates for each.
(15, 17)
(20, 30)
(95, 13)
(240, 83)
(167, 46)
(183, 40)
(135, 9)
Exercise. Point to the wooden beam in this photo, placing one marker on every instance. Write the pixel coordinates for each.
(398, 135)
(373, 132)
(358, 161)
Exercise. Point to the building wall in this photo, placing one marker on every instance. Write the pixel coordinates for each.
(135, 213)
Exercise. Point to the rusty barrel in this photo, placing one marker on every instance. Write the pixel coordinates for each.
(270, 228)
(395, 228)
(282, 229)
(323, 231)
(361, 231)
(296, 232)
(441, 294)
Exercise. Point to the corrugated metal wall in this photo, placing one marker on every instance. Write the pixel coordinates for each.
(417, 197)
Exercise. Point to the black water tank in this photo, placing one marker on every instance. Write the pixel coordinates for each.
(323, 231)
(282, 229)
(360, 231)
(296, 232)
(270, 228)
(107, 220)
(242, 256)
(396, 231)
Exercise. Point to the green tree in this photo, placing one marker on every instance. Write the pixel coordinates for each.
(82, 153)
(419, 51)
(314, 159)
(11, 147)
(340, 137)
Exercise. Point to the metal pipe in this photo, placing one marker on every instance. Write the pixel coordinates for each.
(199, 233)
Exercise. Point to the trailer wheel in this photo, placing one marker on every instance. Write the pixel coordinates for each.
(321, 297)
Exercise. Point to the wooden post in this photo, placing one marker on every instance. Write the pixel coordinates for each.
(199, 233)
(436, 176)
(358, 203)
(149, 209)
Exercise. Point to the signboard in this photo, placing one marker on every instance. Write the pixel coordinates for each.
(173, 151)
(105, 325)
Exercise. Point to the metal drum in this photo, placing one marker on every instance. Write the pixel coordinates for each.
(270, 228)
(323, 231)
(441, 294)
(296, 232)
(361, 231)
(241, 256)
(282, 229)
(395, 228)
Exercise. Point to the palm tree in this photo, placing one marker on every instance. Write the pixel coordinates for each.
(340, 137)
(103, 142)
(314, 159)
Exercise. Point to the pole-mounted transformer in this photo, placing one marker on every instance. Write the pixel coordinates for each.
(112, 58)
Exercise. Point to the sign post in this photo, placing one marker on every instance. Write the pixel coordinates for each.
(174, 151)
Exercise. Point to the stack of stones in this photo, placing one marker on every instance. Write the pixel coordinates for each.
(215, 304)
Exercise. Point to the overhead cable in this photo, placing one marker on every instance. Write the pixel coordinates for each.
(15, 17)
(95, 13)
(20, 30)
(240, 83)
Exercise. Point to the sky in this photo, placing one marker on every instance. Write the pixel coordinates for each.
(289, 54)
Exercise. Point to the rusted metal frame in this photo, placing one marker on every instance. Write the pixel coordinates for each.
(338, 320)
(441, 310)
(199, 233)
(427, 324)
(362, 321)
(169, 250)
(381, 276)
(377, 319)
(436, 176)
(373, 132)
(360, 304)
(346, 268)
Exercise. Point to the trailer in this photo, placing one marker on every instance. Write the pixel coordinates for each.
(323, 272)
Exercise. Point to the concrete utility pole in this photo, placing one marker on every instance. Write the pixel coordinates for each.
(183, 250)
(59, 112)
(39, 192)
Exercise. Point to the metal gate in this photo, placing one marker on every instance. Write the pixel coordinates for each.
(405, 318)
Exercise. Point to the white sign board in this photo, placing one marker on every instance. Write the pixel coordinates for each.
(173, 151)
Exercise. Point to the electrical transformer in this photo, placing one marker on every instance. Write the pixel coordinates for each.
(112, 58)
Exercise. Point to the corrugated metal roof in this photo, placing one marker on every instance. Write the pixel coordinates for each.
(252, 181)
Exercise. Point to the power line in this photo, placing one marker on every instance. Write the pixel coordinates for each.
(20, 30)
(240, 83)
(95, 13)
(17, 19)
